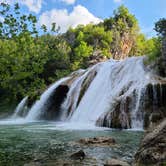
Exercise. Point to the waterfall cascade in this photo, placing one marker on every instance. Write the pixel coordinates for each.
(19, 111)
(114, 80)
(110, 94)
(39, 107)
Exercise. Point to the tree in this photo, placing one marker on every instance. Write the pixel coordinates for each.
(124, 27)
(25, 57)
(160, 27)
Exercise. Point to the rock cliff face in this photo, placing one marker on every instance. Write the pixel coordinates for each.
(122, 50)
(153, 147)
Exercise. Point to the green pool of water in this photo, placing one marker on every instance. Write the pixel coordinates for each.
(45, 143)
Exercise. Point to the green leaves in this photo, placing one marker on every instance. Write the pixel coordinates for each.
(160, 27)
(83, 50)
(29, 62)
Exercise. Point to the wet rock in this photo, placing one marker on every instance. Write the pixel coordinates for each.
(151, 107)
(116, 162)
(54, 104)
(80, 155)
(86, 83)
(154, 104)
(119, 115)
(156, 117)
(33, 164)
(153, 147)
(98, 141)
(77, 92)
(96, 58)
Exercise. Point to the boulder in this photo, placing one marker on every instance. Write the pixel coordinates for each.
(153, 147)
(98, 141)
(116, 162)
(80, 155)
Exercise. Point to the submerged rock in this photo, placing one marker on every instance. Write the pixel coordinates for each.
(98, 141)
(153, 147)
(80, 155)
(116, 162)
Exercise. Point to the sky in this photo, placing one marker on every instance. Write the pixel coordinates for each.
(70, 13)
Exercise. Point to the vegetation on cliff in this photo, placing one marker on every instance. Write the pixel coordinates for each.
(29, 62)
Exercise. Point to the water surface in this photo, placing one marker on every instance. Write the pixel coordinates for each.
(50, 143)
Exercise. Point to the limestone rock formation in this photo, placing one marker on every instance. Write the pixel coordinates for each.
(98, 141)
(122, 51)
(153, 147)
(116, 162)
(96, 57)
(152, 108)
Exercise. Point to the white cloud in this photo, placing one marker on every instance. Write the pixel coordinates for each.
(79, 15)
(33, 5)
(69, 1)
(117, 1)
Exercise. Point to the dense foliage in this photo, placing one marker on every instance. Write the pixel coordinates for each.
(160, 27)
(29, 62)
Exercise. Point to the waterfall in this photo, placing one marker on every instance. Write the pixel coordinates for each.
(21, 107)
(96, 98)
(115, 80)
(71, 102)
(137, 122)
(109, 94)
(39, 107)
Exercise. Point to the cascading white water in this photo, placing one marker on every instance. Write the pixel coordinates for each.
(108, 82)
(112, 78)
(20, 108)
(38, 108)
(96, 98)
(136, 122)
(73, 95)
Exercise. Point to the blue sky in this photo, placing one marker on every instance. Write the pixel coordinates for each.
(68, 13)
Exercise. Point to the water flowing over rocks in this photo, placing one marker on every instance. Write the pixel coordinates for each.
(21, 109)
(151, 108)
(153, 147)
(115, 94)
